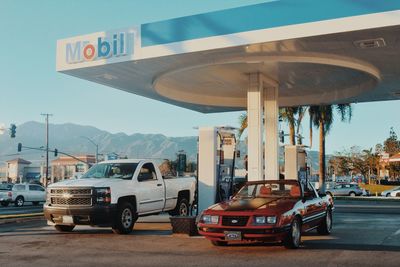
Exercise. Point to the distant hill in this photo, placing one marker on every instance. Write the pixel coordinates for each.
(68, 138)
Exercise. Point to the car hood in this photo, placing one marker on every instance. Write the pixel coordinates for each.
(252, 204)
(90, 182)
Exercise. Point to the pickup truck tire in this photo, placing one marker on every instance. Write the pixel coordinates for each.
(293, 238)
(352, 194)
(64, 228)
(125, 219)
(19, 201)
(182, 208)
(325, 226)
(5, 203)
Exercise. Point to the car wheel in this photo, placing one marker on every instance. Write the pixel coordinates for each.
(219, 243)
(325, 226)
(352, 194)
(5, 203)
(64, 228)
(125, 220)
(293, 238)
(19, 201)
(182, 208)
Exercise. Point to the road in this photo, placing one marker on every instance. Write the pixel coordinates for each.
(26, 209)
(358, 239)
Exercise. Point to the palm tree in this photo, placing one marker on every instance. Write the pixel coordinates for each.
(322, 118)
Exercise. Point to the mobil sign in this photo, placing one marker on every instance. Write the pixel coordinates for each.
(103, 47)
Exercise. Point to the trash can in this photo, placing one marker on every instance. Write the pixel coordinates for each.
(184, 225)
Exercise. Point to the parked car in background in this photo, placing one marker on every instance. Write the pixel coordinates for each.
(345, 190)
(395, 193)
(5, 194)
(387, 193)
(22, 193)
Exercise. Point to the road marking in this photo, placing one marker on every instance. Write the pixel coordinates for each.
(9, 216)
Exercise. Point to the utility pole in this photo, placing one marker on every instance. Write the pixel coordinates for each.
(47, 146)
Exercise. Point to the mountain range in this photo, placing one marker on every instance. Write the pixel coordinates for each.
(70, 138)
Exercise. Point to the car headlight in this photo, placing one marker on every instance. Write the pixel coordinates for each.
(103, 195)
(210, 219)
(264, 219)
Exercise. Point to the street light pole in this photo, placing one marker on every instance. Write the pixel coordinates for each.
(47, 146)
(96, 145)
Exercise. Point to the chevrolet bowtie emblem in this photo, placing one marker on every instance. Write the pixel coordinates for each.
(66, 195)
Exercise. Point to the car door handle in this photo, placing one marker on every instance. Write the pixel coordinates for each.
(159, 184)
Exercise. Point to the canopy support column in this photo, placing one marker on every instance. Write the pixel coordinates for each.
(271, 115)
(254, 126)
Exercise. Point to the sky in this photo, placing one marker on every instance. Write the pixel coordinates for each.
(29, 84)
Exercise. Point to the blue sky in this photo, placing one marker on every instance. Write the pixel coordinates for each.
(29, 84)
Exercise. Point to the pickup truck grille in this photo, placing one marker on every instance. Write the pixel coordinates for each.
(234, 220)
(71, 196)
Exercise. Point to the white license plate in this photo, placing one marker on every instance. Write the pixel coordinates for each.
(233, 235)
(67, 219)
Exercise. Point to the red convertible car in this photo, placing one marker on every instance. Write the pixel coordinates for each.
(268, 211)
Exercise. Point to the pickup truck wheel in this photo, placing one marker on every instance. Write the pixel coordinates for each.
(325, 227)
(182, 208)
(352, 194)
(5, 203)
(293, 238)
(64, 228)
(19, 201)
(125, 220)
(219, 243)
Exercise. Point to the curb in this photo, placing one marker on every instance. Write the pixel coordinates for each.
(22, 219)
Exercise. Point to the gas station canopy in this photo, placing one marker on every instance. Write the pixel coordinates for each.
(318, 52)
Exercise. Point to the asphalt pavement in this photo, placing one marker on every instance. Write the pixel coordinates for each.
(358, 239)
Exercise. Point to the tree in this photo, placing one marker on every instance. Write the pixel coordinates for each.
(322, 117)
(392, 144)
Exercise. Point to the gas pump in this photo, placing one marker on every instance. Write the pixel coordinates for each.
(216, 164)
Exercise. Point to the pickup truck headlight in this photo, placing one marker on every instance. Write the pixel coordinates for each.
(48, 195)
(210, 219)
(264, 220)
(103, 195)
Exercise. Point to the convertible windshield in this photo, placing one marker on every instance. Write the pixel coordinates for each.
(111, 170)
(265, 190)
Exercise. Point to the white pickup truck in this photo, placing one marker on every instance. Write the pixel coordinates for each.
(115, 193)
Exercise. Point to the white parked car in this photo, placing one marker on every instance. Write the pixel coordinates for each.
(22, 193)
(388, 193)
(115, 193)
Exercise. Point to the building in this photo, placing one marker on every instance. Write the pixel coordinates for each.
(16, 169)
(66, 167)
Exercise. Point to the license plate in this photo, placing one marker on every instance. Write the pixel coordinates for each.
(230, 235)
(68, 219)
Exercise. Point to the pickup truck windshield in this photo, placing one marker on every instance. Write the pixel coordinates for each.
(111, 170)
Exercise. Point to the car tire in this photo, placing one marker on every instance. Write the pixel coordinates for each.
(218, 243)
(293, 238)
(182, 208)
(125, 219)
(64, 228)
(35, 203)
(325, 226)
(19, 201)
(5, 203)
(352, 194)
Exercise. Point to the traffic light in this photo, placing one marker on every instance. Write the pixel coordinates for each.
(55, 152)
(19, 147)
(13, 129)
(282, 136)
